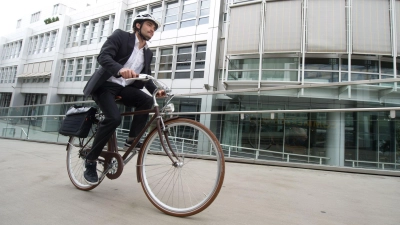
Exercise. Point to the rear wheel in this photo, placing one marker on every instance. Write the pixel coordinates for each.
(77, 149)
(191, 184)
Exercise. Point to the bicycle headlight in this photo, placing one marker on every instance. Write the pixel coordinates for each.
(169, 108)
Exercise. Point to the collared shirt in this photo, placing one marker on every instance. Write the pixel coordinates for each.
(135, 63)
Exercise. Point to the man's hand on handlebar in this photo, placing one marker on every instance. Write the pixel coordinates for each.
(160, 94)
(128, 73)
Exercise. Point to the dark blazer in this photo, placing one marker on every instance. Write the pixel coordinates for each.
(114, 53)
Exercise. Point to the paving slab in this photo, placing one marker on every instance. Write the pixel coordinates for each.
(35, 189)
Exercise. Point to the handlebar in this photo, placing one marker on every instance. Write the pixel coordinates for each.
(159, 85)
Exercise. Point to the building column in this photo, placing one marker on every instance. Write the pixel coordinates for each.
(18, 98)
(119, 18)
(51, 123)
(211, 65)
(335, 138)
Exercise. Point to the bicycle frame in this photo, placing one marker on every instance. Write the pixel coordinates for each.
(112, 148)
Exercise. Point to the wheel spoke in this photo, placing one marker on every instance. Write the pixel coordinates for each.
(76, 164)
(190, 185)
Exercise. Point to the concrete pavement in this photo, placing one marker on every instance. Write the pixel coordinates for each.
(35, 189)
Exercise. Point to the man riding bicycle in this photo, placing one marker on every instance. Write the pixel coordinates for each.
(124, 55)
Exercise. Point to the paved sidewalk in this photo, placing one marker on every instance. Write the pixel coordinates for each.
(35, 189)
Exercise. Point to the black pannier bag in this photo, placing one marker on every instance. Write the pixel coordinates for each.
(78, 121)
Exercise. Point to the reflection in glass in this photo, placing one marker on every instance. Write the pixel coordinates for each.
(280, 63)
(246, 75)
(361, 65)
(323, 77)
(164, 75)
(279, 75)
(198, 74)
(387, 67)
(182, 75)
(360, 76)
(188, 23)
(321, 64)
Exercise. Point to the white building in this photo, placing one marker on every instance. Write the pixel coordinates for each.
(270, 55)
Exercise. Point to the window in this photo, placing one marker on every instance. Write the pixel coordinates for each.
(183, 62)
(79, 66)
(55, 9)
(5, 99)
(70, 70)
(105, 24)
(6, 50)
(9, 50)
(35, 43)
(112, 25)
(165, 70)
(40, 44)
(18, 49)
(204, 12)
(387, 68)
(30, 46)
(68, 40)
(53, 40)
(7, 78)
(18, 23)
(171, 16)
(200, 61)
(14, 74)
(35, 17)
(153, 63)
(85, 34)
(189, 13)
(62, 70)
(1, 75)
(156, 11)
(321, 64)
(243, 69)
(128, 23)
(13, 50)
(45, 41)
(97, 66)
(274, 69)
(4, 75)
(94, 31)
(8, 74)
(3, 53)
(75, 35)
(187, 62)
(35, 99)
(88, 68)
(130, 17)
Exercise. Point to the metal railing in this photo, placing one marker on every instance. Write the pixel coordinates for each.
(354, 162)
(284, 155)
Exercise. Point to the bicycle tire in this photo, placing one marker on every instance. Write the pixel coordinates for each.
(76, 163)
(190, 188)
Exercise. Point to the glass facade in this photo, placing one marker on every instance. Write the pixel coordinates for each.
(351, 139)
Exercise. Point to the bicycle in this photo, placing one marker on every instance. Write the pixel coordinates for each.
(180, 164)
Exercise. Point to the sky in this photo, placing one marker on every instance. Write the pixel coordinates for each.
(13, 10)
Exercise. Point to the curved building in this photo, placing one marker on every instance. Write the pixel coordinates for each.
(335, 57)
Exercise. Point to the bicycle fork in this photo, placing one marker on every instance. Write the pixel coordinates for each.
(163, 133)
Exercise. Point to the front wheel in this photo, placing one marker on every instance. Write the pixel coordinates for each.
(191, 184)
(77, 149)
